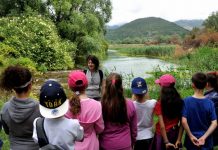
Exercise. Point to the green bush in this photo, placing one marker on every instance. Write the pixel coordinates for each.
(37, 39)
(22, 61)
(202, 59)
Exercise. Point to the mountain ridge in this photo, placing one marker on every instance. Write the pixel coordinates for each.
(147, 28)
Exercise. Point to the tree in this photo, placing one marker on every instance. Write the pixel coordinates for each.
(212, 21)
(75, 20)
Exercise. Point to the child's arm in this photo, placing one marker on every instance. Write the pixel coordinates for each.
(211, 128)
(163, 132)
(179, 139)
(99, 125)
(187, 129)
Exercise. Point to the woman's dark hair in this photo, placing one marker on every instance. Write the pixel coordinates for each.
(113, 102)
(94, 60)
(199, 79)
(17, 78)
(212, 80)
(171, 102)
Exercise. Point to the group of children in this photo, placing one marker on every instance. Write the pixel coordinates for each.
(113, 123)
(196, 114)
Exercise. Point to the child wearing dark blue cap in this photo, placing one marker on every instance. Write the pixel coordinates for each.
(144, 109)
(53, 105)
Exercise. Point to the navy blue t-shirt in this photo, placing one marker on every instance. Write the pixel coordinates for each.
(199, 114)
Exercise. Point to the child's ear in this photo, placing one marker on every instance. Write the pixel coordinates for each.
(193, 85)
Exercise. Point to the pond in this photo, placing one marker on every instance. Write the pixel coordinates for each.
(133, 66)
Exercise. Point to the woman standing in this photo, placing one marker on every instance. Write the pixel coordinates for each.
(119, 116)
(20, 111)
(95, 77)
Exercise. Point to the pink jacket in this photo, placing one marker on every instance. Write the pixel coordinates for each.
(92, 121)
(120, 137)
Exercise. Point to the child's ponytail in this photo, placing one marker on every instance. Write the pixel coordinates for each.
(75, 104)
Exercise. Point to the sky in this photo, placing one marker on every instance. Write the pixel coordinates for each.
(124, 11)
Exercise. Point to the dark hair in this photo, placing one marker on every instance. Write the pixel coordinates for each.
(17, 78)
(212, 80)
(114, 107)
(171, 102)
(140, 97)
(199, 79)
(94, 60)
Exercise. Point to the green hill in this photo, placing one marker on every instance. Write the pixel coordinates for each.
(190, 24)
(146, 28)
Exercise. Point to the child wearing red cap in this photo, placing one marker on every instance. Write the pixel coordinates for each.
(168, 109)
(88, 111)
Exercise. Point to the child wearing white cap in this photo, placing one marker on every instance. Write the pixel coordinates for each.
(144, 109)
(59, 130)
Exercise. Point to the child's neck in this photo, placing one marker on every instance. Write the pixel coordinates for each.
(141, 100)
(198, 93)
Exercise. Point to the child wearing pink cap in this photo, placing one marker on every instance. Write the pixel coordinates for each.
(168, 109)
(87, 111)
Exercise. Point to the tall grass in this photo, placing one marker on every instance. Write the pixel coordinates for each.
(142, 50)
(202, 59)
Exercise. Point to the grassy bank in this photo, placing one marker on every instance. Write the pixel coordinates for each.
(144, 50)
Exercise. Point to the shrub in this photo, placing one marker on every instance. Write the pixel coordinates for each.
(36, 38)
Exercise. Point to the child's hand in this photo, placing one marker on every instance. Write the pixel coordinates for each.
(194, 140)
(168, 145)
(201, 141)
(178, 144)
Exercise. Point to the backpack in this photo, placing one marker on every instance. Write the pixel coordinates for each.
(42, 138)
(100, 74)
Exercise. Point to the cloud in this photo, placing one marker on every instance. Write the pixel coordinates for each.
(127, 10)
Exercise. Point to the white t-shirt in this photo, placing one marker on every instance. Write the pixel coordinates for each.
(144, 113)
(61, 131)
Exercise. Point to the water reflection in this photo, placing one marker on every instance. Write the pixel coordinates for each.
(135, 66)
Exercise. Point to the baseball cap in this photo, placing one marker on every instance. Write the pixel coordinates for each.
(139, 86)
(53, 101)
(165, 80)
(77, 80)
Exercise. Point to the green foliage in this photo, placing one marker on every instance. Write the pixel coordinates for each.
(161, 50)
(212, 21)
(202, 59)
(145, 28)
(15, 7)
(37, 39)
(26, 62)
(8, 51)
(75, 20)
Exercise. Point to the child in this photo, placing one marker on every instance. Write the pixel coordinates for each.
(144, 110)
(59, 130)
(212, 93)
(86, 110)
(20, 111)
(168, 109)
(119, 115)
(199, 117)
